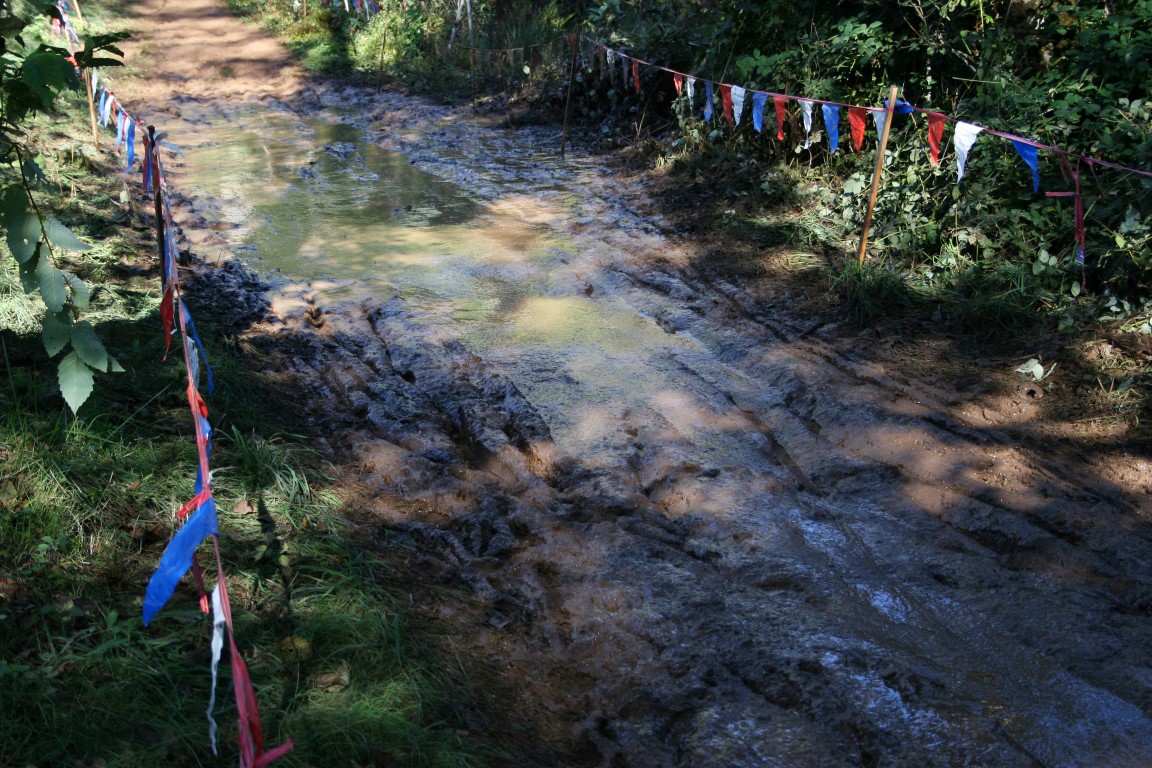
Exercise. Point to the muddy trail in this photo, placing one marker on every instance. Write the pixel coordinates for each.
(689, 524)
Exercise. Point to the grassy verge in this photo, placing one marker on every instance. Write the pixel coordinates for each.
(86, 509)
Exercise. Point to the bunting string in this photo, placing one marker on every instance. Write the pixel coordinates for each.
(199, 514)
(733, 97)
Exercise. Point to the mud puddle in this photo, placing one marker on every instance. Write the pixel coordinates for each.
(691, 531)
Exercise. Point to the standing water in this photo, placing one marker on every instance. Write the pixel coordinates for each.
(319, 202)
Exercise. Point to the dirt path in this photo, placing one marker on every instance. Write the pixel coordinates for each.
(801, 554)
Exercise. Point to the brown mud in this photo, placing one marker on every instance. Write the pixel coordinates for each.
(809, 547)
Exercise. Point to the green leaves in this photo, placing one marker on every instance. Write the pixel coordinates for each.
(76, 380)
(57, 332)
(28, 235)
(24, 233)
(88, 347)
(10, 26)
(52, 286)
(95, 44)
(47, 71)
(80, 292)
(30, 83)
(62, 237)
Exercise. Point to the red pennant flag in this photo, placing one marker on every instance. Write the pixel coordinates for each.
(726, 99)
(636, 75)
(935, 134)
(252, 754)
(167, 315)
(678, 81)
(856, 120)
(779, 102)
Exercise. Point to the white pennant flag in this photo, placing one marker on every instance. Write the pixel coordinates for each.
(963, 139)
(690, 86)
(806, 108)
(880, 117)
(737, 102)
(218, 626)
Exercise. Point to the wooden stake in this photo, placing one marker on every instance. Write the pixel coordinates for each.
(876, 173)
(568, 101)
(92, 108)
(157, 200)
(76, 5)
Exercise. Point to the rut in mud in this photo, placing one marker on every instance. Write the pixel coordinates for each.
(691, 526)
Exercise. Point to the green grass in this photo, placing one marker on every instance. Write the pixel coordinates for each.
(870, 290)
(85, 511)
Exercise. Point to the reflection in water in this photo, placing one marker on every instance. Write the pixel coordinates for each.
(320, 202)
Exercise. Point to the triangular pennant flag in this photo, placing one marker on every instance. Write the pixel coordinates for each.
(119, 130)
(167, 313)
(636, 75)
(131, 142)
(879, 116)
(963, 140)
(218, 626)
(177, 557)
(737, 102)
(708, 101)
(251, 734)
(627, 69)
(780, 102)
(856, 125)
(935, 134)
(759, 99)
(832, 125)
(902, 107)
(678, 81)
(726, 101)
(191, 328)
(806, 114)
(690, 85)
(1031, 157)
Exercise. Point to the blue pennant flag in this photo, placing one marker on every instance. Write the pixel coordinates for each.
(758, 101)
(199, 346)
(1031, 157)
(207, 429)
(177, 558)
(832, 125)
(902, 107)
(708, 101)
(131, 142)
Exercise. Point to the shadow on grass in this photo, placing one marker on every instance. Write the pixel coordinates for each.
(85, 512)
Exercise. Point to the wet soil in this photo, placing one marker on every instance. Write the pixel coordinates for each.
(781, 542)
